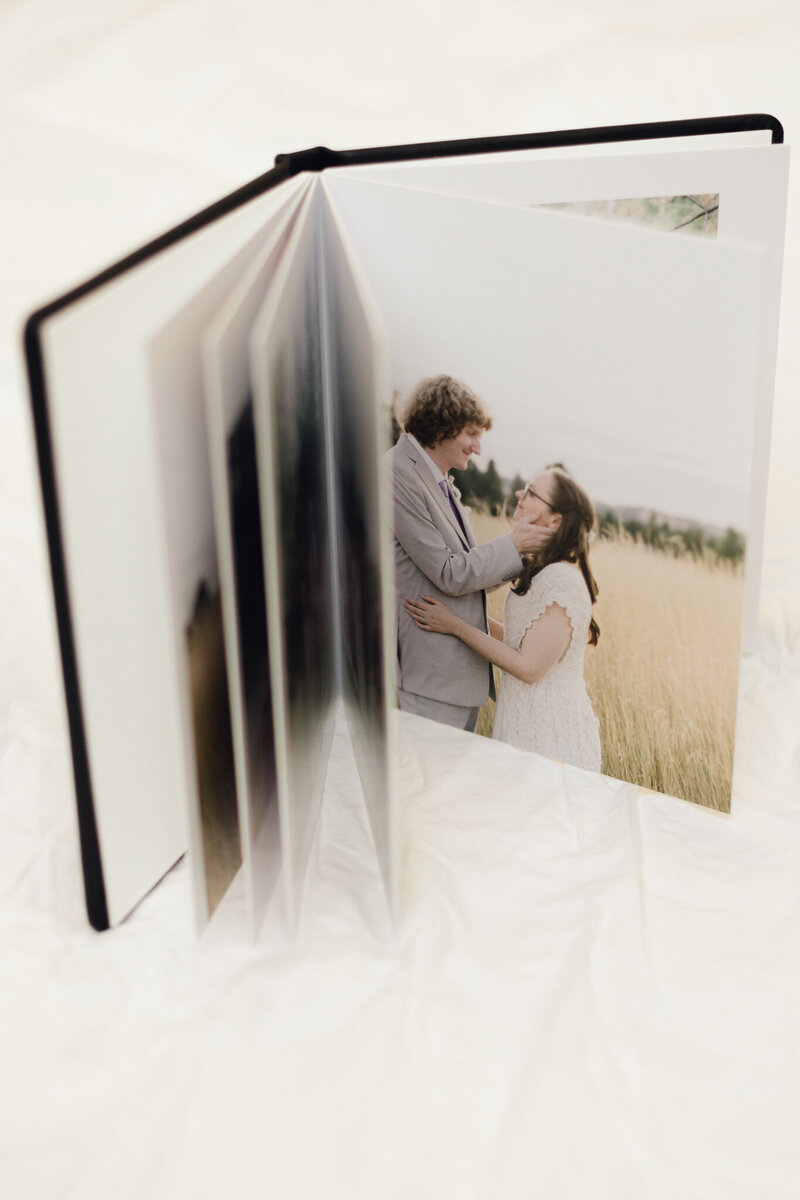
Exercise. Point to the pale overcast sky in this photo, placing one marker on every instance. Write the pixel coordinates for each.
(630, 355)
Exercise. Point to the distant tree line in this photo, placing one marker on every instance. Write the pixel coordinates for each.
(658, 533)
(486, 489)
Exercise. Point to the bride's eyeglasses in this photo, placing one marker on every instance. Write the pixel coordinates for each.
(529, 491)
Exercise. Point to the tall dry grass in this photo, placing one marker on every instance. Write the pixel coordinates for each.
(663, 676)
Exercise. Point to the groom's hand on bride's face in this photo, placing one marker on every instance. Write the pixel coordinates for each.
(529, 537)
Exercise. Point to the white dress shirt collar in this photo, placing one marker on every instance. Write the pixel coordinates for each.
(438, 475)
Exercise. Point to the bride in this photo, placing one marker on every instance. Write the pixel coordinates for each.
(542, 703)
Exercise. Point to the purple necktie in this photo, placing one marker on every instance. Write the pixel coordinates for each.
(456, 513)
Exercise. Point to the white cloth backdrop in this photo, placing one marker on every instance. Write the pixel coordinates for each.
(592, 993)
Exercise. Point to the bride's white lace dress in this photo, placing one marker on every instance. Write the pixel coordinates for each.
(553, 716)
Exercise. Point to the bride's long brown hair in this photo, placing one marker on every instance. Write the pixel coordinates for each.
(569, 543)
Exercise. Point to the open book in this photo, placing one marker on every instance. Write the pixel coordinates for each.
(212, 412)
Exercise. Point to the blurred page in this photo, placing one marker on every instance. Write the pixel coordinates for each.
(116, 542)
(239, 542)
(182, 437)
(292, 440)
(359, 397)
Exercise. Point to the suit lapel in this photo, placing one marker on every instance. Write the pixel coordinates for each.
(424, 473)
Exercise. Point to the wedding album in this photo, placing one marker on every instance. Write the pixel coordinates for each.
(215, 416)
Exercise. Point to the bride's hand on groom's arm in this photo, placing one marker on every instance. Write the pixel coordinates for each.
(529, 537)
(432, 616)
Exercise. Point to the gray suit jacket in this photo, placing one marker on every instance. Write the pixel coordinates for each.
(432, 557)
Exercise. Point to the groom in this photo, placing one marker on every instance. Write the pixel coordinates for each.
(435, 552)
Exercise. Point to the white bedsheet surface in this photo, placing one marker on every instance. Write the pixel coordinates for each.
(592, 992)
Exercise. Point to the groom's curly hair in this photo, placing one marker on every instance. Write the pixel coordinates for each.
(440, 407)
(570, 542)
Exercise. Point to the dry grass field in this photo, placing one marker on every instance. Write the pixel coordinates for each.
(663, 677)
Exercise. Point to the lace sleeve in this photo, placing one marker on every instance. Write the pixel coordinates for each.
(558, 584)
